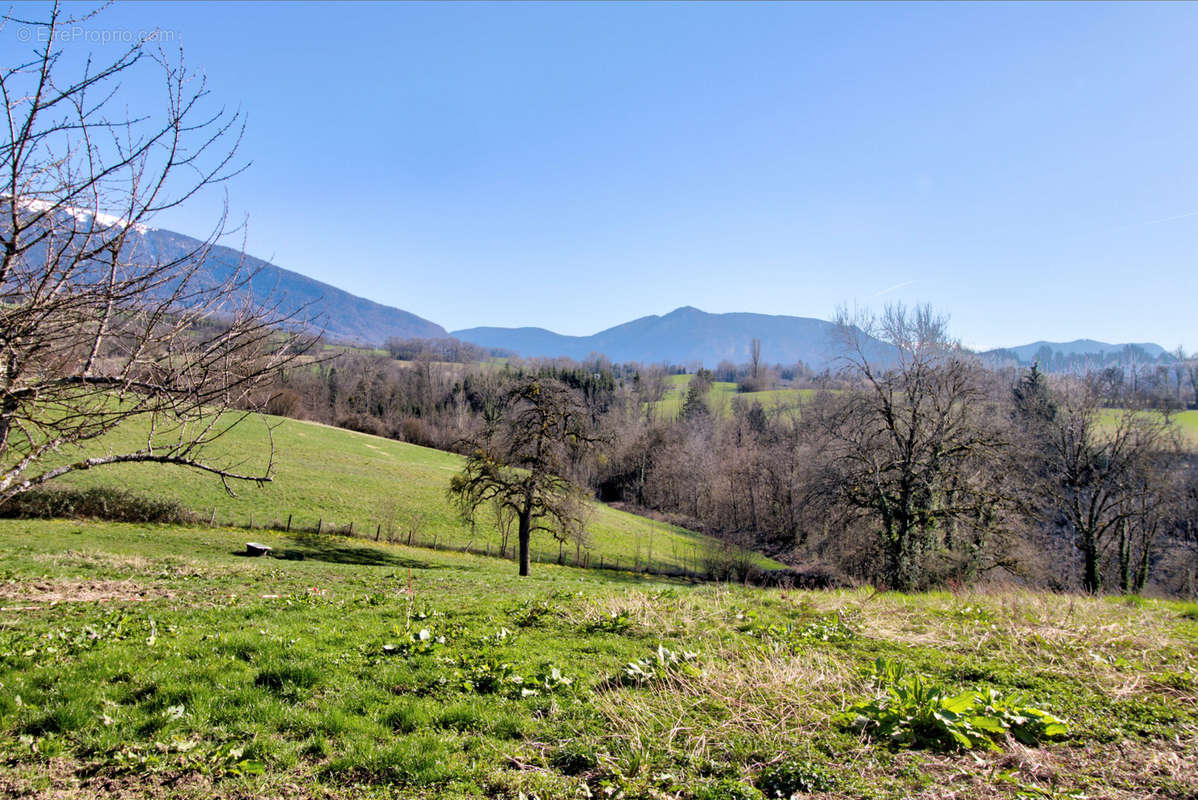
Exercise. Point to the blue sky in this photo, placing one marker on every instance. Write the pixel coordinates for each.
(1030, 169)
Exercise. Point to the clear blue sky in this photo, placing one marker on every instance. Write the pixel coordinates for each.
(1030, 169)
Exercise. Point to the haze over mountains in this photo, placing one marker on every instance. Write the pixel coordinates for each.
(1079, 347)
(685, 336)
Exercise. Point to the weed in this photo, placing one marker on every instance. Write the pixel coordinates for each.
(728, 789)
(912, 713)
(789, 778)
(612, 622)
(661, 664)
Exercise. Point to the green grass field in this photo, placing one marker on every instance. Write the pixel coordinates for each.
(1185, 423)
(156, 661)
(333, 477)
(722, 393)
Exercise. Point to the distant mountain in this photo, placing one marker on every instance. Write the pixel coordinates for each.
(1079, 352)
(684, 336)
(343, 316)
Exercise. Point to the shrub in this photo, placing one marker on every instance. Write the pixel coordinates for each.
(101, 502)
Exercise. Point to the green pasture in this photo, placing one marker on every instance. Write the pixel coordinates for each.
(159, 661)
(329, 477)
(722, 395)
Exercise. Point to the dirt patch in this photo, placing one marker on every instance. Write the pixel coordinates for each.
(47, 592)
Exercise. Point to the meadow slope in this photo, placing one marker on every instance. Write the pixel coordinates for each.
(332, 477)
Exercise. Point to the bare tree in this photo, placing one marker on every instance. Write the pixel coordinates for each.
(524, 463)
(97, 328)
(1104, 477)
(909, 440)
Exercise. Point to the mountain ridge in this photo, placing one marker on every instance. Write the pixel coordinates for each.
(1078, 347)
(341, 315)
(686, 335)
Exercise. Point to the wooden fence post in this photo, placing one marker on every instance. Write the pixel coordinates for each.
(351, 527)
(212, 519)
(289, 523)
(319, 525)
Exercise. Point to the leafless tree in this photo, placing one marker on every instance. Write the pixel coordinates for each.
(909, 441)
(1104, 477)
(525, 462)
(96, 328)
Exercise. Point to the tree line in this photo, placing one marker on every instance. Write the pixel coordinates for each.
(916, 469)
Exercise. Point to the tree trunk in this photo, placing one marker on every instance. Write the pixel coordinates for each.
(1090, 578)
(1124, 559)
(525, 535)
(1141, 576)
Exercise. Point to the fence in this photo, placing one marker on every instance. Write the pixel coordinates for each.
(695, 566)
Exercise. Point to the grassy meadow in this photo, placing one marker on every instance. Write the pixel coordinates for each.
(721, 395)
(1184, 422)
(331, 477)
(158, 661)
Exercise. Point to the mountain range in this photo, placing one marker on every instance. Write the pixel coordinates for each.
(1027, 353)
(342, 316)
(685, 336)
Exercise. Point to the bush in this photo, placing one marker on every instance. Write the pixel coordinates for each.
(112, 505)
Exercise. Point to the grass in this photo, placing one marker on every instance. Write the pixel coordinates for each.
(1187, 424)
(1184, 422)
(146, 660)
(721, 395)
(333, 477)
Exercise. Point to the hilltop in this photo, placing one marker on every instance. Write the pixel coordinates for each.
(686, 335)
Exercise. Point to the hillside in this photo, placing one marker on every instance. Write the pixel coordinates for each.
(333, 477)
(151, 661)
(684, 336)
(343, 317)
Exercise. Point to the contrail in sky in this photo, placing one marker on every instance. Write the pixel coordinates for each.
(892, 288)
(1170, 219)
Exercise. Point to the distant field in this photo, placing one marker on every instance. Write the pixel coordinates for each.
(722, 393)
(157, 661)
(1186, 423)
(336, 477)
